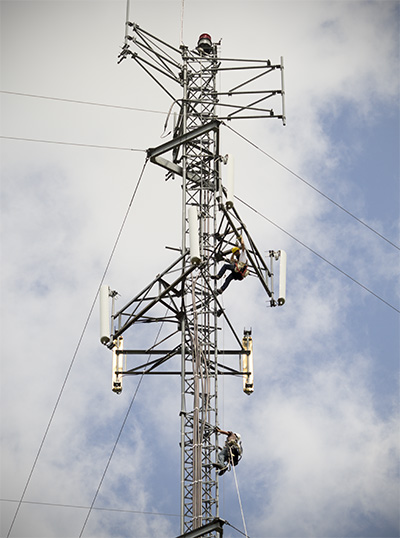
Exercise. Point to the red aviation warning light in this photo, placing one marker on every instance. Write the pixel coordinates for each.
(204, 43)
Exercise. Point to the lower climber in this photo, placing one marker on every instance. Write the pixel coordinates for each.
(231, 454)
(238, 267)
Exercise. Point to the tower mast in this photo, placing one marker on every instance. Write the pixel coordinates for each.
(200, 158)
(211, 226)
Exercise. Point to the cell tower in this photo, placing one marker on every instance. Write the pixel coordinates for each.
(183, 299)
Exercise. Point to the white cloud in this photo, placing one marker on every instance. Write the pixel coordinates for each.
(336, 461)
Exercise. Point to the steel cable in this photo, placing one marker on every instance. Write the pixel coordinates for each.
(312, 187)
(319, 255)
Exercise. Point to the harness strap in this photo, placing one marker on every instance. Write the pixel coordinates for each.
(242, 269)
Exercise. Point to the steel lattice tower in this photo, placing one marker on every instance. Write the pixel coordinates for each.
(199, 379)
(210, 227)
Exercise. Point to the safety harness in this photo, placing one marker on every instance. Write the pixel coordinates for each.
(242, 269)
(235, 449)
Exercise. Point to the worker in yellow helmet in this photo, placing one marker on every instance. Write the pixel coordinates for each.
(238, 267)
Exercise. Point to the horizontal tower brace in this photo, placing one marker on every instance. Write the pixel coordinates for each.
(150, 366)
(248, 92)
(266, 117)
(175, 351)
(183, 139)
(176, 372)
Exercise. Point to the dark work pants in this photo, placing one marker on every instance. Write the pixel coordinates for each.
(234, 275)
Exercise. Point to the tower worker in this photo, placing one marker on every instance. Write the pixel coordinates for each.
(231, 453)
(238, 267)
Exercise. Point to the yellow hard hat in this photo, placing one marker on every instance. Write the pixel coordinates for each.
(235, 249)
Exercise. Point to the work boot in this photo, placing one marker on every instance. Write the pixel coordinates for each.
(223, 470)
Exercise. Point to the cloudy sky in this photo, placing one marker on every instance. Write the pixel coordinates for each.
(321, 431)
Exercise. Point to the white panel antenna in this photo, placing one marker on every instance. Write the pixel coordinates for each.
(282, 278)
(230, 180)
